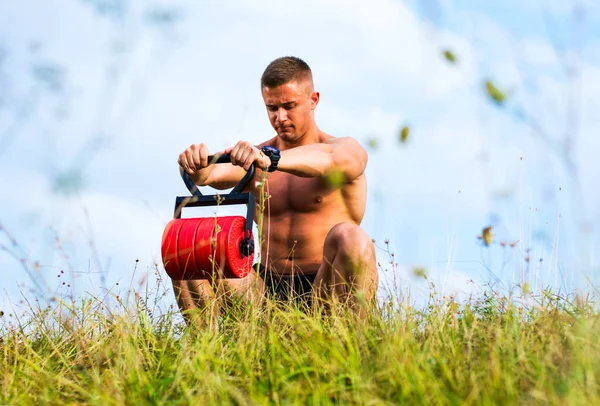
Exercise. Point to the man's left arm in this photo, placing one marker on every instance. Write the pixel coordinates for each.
(318, 160)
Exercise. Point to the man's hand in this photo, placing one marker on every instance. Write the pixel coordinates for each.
(244, 154)
(194, 158)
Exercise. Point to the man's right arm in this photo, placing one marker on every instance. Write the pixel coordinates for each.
(194, 160)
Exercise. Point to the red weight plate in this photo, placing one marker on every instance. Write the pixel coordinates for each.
(230, 259)
(169, 247)
(185, 248)
(200, 248)
(204, 247)
(220, 256)
(239, 265)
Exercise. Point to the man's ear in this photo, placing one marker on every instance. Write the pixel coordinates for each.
(314, 100)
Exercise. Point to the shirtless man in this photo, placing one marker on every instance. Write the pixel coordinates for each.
(312, 240)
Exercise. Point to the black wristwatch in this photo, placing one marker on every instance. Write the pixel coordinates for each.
(273, 154)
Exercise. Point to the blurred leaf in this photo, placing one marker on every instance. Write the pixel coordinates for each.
(494, 93)
(486, 236)
(420, 272)
(373, 143)
(404, 133)
(526, 288)
(450, 57)
(335, 178)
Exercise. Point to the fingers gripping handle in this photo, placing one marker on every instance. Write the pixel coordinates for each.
(218, 159)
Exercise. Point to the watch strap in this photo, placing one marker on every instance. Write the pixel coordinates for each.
(274, 155)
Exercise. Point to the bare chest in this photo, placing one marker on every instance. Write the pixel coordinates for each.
(288, 193)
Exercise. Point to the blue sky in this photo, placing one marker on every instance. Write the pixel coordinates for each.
(114, 97)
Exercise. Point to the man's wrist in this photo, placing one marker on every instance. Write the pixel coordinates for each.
(264, 168)
(274, 156)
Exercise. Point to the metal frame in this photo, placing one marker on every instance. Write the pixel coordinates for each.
(219, 200)
(235, 197)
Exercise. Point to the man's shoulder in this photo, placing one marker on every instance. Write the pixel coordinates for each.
(343, 140)
(325, 138)
(329, 139)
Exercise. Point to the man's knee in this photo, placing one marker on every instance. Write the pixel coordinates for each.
(349, 265)
(349, 240)
(192, 294)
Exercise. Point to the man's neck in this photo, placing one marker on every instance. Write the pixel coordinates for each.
(312, 136)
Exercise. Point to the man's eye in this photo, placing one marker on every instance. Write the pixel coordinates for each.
(289, 106)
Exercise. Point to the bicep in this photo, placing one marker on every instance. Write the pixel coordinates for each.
(350, 156)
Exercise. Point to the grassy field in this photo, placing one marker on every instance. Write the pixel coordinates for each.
(488, 351)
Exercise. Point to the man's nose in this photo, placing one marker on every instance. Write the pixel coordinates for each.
(281, 115)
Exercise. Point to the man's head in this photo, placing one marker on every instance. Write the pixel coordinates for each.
(288, 92)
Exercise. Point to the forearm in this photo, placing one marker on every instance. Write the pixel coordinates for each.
(343, 155)
(308, 161)
(200, 177)
(218, 176)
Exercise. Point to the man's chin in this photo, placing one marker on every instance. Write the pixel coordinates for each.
(286, 135)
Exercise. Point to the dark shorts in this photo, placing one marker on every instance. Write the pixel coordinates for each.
(287, 287)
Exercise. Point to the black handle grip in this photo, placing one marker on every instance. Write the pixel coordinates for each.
(219, 159)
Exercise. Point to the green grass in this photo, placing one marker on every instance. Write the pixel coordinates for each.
(486, 352)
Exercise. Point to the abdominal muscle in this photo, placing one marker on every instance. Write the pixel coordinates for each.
(294, 243)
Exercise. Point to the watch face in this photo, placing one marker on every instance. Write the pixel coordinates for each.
(270, 151)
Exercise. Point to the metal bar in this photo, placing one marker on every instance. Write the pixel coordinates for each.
(214, 200)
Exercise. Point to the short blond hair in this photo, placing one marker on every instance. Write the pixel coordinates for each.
(284, 70)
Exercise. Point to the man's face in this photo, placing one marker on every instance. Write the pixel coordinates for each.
(290, 108)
